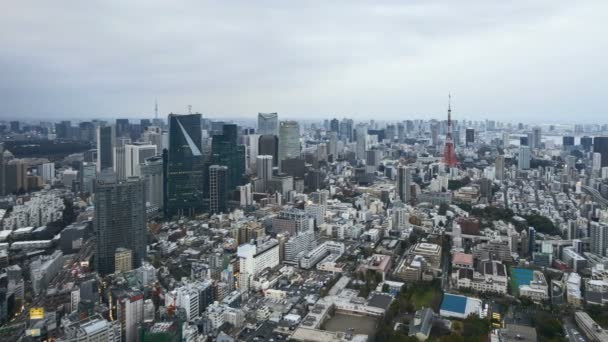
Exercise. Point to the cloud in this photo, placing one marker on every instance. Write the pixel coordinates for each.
(391, 59)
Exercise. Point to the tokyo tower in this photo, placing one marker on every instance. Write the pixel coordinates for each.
(449, 154)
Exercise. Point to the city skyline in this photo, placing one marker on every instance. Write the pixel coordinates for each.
(389, 60)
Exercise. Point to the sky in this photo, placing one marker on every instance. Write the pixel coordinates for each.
(536, 61)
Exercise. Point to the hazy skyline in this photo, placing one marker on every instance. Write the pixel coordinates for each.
(524, 60)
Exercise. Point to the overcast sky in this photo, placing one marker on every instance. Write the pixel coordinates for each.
(511, 60)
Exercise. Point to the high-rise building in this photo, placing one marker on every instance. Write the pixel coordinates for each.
(264, 167)
(334, 125)
(135, 155)
(218, 189)
(523, 161)
(598, 238)
(268, 123)
(600, 145)
(499, 166)
(123, 260)
(106, 141)
(130, 313)
(47, 171)
(226, 151)
(469, 136)
(15, 176)
(152, 173)
(289, 140)
(119, 220)
(567, 141)
(536, 138)
(404, 182)
(269, 145)
(361, 135)
(122, 127)
(87, 177)
(596, 162)
(184, 166)
(120, 161)
(586, 143)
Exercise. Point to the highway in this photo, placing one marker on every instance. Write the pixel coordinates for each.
(596, 195)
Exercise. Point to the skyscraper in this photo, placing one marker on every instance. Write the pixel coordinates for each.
(523, 161)
(218, 189)
(499, 165)
(135, 155)
(264, 167)
(152, 174)
(361, 132)
(598, 238)
(269, 145)
(289, 140)
(404, 181)
(600, 145)
(268, 123)
(536, 138)
(122, 127)
(469, 136)
(119, 221)
(184, 166)
(226, 151)
(106, 141)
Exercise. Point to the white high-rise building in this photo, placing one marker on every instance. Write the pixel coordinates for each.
(251, 142)
(598, 238)
(135, 155)
(47, 171)
(264, 168)
(597, 161)
(523, 161)
(253, 259)
(130, 313)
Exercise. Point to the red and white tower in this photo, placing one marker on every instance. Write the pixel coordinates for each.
(449, 154)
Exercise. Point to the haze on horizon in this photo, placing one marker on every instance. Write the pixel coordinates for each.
(527, 60)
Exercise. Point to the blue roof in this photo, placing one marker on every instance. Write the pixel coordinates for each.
(454, 303)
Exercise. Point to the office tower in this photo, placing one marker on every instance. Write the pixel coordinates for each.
(536, 138)
(469, 136)
(152, 174)
(87, 177)
(600, 145)
(144, 124)
(47, 172)
(289, 140)
(361, 135)
(251, 142)
(86, 131)
(135, 155)
(225, 151)
(334, 125)
(332, 147)
(570, 164)
(106, 141)
(499, 166)
(567, 141)
(390, 132)
(373, 158)
(120, 161)
(184, 166)
(586, 143)
(400, 132)
(531, 240)
(15, 176)
(404, 181)
(264, 168)
(123, 260)
(524, 141)
(119, 220)
(218, 175)
(2, 171)
(596, 162)
(400, 219)
(523, 161)
(269, 145)
(598, 238)
(449, 153)
(122, 127)
(15, 126)
(268, 124)
(63, 130)
(253, 259)
(506, 140)
(153, 135)
(245, 195)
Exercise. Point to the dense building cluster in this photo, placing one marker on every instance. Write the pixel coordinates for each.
(192, 229)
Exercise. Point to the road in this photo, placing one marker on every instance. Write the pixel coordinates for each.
(596, 195)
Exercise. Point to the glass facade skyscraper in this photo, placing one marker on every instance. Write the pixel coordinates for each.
(119, 221)
(268, 123)
(225, 151)
(184, 166)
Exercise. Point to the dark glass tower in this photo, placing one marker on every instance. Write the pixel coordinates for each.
(217, 189)
(268, 145)
(600, 145)
(120, 220)
(184, 166)
(225, 151)
(106, 141)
